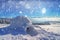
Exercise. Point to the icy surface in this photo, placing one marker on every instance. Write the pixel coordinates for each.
(21, 28)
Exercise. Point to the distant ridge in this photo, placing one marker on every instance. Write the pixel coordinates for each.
(5, 20)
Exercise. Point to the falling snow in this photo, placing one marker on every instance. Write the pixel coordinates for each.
(22, 28)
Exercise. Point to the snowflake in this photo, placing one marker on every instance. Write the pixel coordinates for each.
(15, 28)
(20, 12)
(2, 30)
(22, 2)
(59, 6)
(25, 15)
(43, 10)
(27, 6)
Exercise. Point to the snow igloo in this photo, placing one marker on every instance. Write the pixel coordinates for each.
(19, 25)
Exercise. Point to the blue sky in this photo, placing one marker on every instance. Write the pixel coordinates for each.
(40, 8)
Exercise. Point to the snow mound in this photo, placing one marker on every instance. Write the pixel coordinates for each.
(25, 24)
(20, 21)
(19, 25)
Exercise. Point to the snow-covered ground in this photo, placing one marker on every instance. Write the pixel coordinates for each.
(43, 33)
(4, 25)
(39, 32)
(51, 28)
